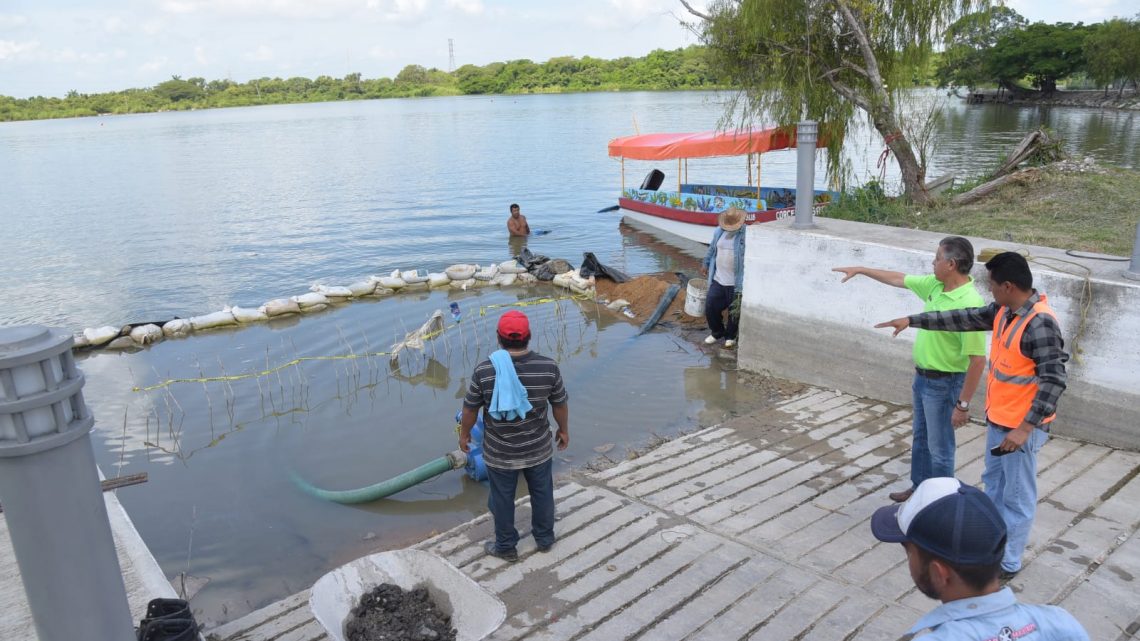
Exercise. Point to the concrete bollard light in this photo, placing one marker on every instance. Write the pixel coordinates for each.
(49, 487)
(806, 136)
(1133, 271)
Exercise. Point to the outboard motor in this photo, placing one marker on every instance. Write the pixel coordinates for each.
(653, 180)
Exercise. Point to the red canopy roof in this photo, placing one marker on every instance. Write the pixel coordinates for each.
(704, 144)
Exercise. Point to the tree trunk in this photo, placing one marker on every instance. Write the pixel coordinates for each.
(913, 173)
(985, 189)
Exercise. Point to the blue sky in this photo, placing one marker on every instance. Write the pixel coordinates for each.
(48, 47)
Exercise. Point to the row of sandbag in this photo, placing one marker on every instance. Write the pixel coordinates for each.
(462, 277)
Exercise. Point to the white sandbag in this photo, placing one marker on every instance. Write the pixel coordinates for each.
(581, 286)
(122, 342)
(319, 307)
(438, 279)
(463, 284)
(79, 340)
(281, 306)
(511, 267)
(390, 282)
(505, 280)
(310, 300)
(412, 287)
(617, 304)
(487, 273)
(562, 280)
(216, 319)
(146, 334)
(383, 291)
(332, 291)
(100, 335)
(461, 271)
(177, 328)
(362, 288)
(249, 314)
(526, 278)
(415, 276)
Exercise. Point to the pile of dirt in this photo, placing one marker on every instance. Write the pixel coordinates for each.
(389, 612)
(643, 294)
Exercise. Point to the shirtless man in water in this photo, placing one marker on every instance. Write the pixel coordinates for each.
(516, 224)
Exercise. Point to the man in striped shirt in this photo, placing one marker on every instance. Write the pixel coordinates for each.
(519, 445)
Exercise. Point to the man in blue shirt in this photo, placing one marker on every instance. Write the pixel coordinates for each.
(954, 540)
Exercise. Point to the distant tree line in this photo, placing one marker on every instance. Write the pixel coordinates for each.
(1000, 47)
(660, 70)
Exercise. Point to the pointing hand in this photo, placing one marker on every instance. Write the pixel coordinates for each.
(899, 324)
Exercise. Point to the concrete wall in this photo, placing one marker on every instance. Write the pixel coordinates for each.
(798, 321)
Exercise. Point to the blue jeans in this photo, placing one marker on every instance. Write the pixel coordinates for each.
(1011, 483)
(501, 502)
(717, 302)
(933, 445)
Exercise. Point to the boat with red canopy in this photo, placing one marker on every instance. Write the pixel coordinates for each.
(691, 211)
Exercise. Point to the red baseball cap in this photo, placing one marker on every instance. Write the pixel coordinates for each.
(514, 325)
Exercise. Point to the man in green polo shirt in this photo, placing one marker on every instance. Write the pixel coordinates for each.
(948, 365)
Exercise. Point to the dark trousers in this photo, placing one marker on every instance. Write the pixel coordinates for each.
(716, 305)
(501, 502)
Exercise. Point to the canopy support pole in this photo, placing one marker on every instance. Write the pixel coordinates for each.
(748, 164)
(678, 178)
(686, 170)
(758, 179)
(623, 175)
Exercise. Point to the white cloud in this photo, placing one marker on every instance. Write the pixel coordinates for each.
(261, 54)
(470, 7)
(12, 50)
(154, 65)
(153, 27)
(381, 53)
(11, 21)
(265, 8)
(200, 55)
(114, 24)
(398, 10)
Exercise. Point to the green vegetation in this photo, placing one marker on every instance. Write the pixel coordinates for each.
(1093, 211)
(660, 70)
(997, 46)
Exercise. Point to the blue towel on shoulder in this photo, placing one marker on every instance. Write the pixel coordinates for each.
(509, 400)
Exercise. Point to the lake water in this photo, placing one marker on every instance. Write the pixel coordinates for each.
(121, 219)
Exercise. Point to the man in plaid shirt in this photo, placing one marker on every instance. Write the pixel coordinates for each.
(1026, 379)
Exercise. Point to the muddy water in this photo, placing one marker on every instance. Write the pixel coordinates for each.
(220, 504)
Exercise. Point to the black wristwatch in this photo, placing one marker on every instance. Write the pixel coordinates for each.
(963, 405)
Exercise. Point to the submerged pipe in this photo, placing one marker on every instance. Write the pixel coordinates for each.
(451, 461)
(662, 305)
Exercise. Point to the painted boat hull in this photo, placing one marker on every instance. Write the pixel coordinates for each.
(696, 226)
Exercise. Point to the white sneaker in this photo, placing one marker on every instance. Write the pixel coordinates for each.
(729, 344)
(710, 339)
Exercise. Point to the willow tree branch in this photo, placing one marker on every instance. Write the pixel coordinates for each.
(702, 16)
(874, 75)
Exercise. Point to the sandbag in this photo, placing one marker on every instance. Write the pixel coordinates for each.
(415, 287)
(505, 280)
(511, 267)
(122, 342)
(463, 284)
(310, 300)
(461, 271)
(617, 304)
(79, 340)
(319, 307)
(561, 280)
(591, 267)
(332, 291)
(362, 288)
(581, 286)
(249, 314)
(529, 260)
(390, 282)
(101, 335)
(281, 306)
(415, 276)
(216, 319)
(526, 279)
(438, 279)
(177, 328)
(383, 291)
(552, 268)
(146, 334)
(487, 273)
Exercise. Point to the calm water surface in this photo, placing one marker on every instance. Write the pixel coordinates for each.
(110, 220)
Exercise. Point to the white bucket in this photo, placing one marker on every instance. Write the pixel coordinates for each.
(695, 296)
(475, 612)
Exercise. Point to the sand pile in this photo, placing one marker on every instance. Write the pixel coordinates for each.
(643, 294)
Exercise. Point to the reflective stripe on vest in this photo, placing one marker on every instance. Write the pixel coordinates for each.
(1012, 382)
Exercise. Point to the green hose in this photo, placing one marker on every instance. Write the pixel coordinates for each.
(451, 461)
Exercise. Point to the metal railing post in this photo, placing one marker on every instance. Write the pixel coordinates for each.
(49, 487)
(806, 135)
